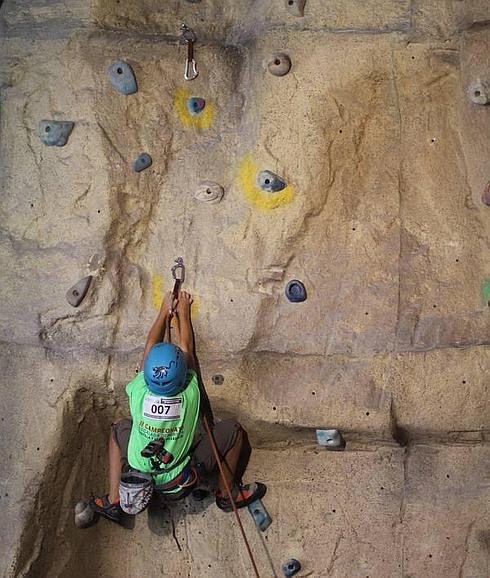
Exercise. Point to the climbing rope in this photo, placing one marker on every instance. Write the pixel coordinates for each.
(178, 280)
(228, 491)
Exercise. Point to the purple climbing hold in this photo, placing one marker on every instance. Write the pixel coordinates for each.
(295, 291)
(486, 195)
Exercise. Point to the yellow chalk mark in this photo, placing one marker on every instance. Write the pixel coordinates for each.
(247, 176)
(156, 291)
(202, 120)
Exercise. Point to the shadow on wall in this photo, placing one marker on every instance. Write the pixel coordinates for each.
(51, 545)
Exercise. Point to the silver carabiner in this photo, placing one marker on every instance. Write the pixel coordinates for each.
(189, 37)
(179, 264)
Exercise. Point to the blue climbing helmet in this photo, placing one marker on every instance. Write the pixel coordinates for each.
(165, 369)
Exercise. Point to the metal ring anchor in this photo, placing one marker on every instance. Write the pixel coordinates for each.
(189, 37)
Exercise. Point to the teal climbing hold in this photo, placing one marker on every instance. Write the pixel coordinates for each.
(260, 515)
(270, 182)
(122, 77)
(141, 163)
(55, 132)
(195, 105)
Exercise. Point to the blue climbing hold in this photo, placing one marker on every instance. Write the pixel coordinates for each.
(55, 132)
(122, 77)
(142, 162)
(270, 182)
(291, 567)
(260, 515)
(195, 105)
(295, 291)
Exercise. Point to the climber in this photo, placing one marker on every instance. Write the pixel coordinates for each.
(164, 446)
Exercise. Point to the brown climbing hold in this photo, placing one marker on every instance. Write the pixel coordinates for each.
(279, 64)
(76, 294)
(486, 195)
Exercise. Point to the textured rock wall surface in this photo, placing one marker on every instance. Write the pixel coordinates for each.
(385, 159)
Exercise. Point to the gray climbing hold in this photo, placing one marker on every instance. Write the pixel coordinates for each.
(270, 182)
(479, 92)
(486, 195)
(55, 132)
(291, 567)
(195, 105)
(209, 192)
(218, 379)
(295, 291)
(260, 515)
(76, 294)
(331, 439)
(295, 7)
(141, 163)
(84, 515)
(122, 77)
(279, 64)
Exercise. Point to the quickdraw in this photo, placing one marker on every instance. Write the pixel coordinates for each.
(189, 37)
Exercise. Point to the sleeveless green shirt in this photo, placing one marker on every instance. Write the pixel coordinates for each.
(173, 418)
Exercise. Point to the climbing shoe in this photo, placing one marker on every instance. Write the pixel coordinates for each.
(244, 494)
(106, 508)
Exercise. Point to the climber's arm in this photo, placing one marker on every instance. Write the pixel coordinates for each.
(186, 333)
(158, 330)
(187, 344)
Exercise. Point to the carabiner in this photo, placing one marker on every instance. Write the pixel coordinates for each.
(189, 37)
(179, 264)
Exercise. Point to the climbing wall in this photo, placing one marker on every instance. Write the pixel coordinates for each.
(338, 144)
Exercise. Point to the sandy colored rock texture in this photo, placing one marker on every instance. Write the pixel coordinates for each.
(385, 160)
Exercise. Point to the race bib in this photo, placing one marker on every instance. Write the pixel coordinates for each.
(161, 408)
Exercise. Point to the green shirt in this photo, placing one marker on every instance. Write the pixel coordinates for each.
(173, 418)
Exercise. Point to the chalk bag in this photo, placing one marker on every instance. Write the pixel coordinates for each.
(135, 490)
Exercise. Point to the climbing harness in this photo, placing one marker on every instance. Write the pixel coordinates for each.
(189, 37)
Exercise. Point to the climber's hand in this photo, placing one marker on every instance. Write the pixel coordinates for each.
(169, 303)
(184, 303)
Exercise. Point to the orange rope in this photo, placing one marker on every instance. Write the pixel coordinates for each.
(228, 491)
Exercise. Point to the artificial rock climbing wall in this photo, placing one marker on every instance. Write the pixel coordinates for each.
(378, 141)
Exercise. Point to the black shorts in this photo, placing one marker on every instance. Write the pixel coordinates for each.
(225, 434)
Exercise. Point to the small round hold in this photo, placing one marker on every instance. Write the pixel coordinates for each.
(218, 379)
(479, 93)
(279, 64)
(295, 291)
(84, 515)
(486, 195)
(295, 7)
(291, 567)
(142, 162)
(270, 182)
(209, 192)
(195, 105)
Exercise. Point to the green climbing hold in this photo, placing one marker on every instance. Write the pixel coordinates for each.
(485, 291)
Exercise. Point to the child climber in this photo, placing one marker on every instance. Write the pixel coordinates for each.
(164, 446)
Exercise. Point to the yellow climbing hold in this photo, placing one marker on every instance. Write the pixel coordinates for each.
(247, 177)
(202, 120)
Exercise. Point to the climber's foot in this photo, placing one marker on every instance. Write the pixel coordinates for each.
(243, 494)
(106, 508)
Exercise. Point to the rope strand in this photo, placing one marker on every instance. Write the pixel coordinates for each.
(230, 496)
